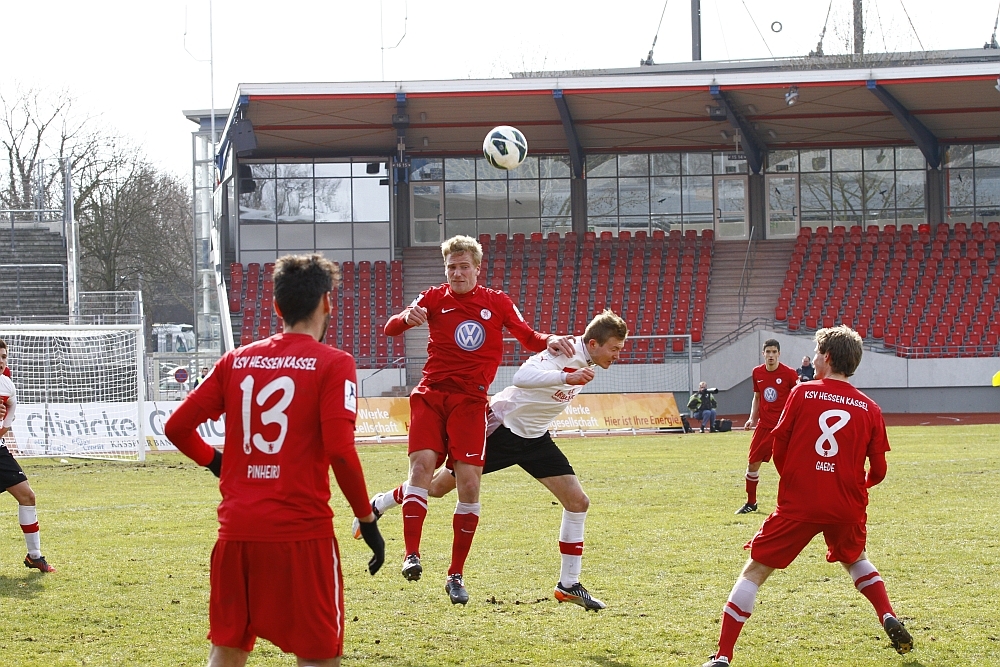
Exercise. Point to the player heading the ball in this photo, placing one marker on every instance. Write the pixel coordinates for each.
(448, 406)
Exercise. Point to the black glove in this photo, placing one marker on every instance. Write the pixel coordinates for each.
(373, 538)
(216, 465)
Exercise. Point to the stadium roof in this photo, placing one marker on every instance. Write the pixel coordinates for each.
(952, 95)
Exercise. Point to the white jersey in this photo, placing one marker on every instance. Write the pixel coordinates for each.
(8, 395)
(539, 393)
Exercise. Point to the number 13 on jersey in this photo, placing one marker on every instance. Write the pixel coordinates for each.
(273, 415)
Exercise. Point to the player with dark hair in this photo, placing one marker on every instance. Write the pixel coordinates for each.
(448, 406)
(772, 381)
(290, 404)
(12, 477)
(825, 434)
(517, 434)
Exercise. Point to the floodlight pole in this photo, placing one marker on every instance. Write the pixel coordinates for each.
(695, 29)
(72, 253)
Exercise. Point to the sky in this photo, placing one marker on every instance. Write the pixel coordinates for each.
(134, 66)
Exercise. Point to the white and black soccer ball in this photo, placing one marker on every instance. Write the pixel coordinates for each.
(505, 147)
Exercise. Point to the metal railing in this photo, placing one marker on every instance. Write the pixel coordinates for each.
(385, 369)
(733, 336)
(942, 351)
(744, 290)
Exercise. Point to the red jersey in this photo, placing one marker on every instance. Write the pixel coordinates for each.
(465, 346)
(275, 480)
(825, 434)
(773, 387)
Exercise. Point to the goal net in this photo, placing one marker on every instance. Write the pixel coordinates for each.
(80, 390)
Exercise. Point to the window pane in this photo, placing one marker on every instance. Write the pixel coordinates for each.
(555, 197)
(846, 159)
(666, 196)
(257, 170)
(634, 223)
(910, 158)
(910, 189)
(599, 225)
(633, 165)
(527, 169)
(818, 160)
(698, 195)
(960, 192)
(988, 156)
(814, 192)
(602, 165)
(426, 169)
(487, 172)
(360, 169)
(295, 170)
(559, 225)
(295, 198)
(554, 166)
(460, 169)
(782, 161)
(491, 199)
(633, 196)
(332, 169)
(878, 159)
(666, 164)
(696, 163)
(987, 186)
(525, 226)
(847, 193)
(371, 200)
(879, 191)
(333, 199)
(602, 196)
(524, 199)
(666, 222)
(459, 199)
(259, 205)
(492, 227)
(958, 156)
(456, 227)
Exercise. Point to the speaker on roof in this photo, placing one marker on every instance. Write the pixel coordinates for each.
(242, 136)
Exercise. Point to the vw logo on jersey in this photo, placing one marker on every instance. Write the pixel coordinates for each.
(770, 394)
(470, 335)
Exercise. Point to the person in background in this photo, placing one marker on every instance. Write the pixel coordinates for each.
(806, 371)
(702, 405)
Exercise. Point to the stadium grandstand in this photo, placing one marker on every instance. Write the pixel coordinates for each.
(711, 204)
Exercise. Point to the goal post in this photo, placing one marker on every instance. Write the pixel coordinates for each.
(80, 390)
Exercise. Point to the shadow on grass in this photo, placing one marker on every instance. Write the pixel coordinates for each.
(913, 663)
(23, 588)
(608, 662)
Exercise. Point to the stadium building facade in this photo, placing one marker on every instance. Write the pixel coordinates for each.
(789, 170)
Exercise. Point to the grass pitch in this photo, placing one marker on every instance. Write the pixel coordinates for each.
(663, 547)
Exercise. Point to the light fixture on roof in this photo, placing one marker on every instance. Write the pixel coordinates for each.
(998, 84)
(426, 141)
(724, 135)
(752, 109)
(423, 116)
(772, 134)
(792, 96)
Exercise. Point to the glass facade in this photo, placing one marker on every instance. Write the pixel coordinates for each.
(972, 183)
(208, 326)
(337, 208)
(481, 199)
(856, 186)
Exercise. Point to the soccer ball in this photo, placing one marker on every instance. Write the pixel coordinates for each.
(505, 147)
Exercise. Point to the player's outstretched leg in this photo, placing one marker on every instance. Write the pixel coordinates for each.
(870, 584)
(752, 478)
(569, 588)
(27, 517)
(381, 503)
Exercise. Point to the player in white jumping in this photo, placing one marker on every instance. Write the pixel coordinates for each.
(517, 434)
(12, 477)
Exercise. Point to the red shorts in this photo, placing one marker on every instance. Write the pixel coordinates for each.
(453, 424)
(290, 593)
(780, 540)
(760, 444)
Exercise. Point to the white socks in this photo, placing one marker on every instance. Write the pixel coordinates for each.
(571, 547)
(28, 518)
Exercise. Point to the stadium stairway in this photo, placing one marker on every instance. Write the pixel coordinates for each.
(766, 278)
(424, 268)
(37, 291)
